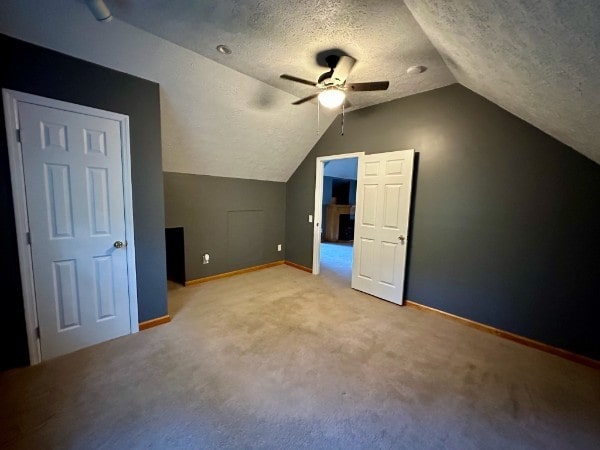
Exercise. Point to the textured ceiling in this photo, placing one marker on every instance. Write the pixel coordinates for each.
(539, 60)
(271, 37)
(214, 120)
(231, 115)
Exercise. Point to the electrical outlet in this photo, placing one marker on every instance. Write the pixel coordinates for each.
(205, 258)
(278, 247)
(310, 218)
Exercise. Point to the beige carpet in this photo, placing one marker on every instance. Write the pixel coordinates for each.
(283, 359)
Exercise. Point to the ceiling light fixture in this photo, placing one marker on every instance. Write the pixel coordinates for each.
(99, 10)
(332, 97)
(221, 48)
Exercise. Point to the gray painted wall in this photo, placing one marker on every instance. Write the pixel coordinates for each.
(505, 224)
(238, 222)
(39, 71)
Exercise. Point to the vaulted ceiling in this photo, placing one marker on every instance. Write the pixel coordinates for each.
(231, 115)
(538, 59)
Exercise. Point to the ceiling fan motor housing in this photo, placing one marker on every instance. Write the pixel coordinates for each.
(342, 69)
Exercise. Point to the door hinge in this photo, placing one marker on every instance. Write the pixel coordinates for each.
(28, 237)
(37, 332)
(18, 135)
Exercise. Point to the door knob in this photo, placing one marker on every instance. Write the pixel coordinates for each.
(119, 244)
(401, 238)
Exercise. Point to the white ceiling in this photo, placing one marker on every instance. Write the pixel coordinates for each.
(272, 37)
(539, 60)
(231, 115)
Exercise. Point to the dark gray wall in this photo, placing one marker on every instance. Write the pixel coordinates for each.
(43, 72)
(505, 226)
(237, 222)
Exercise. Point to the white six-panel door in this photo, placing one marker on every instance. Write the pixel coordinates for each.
(381, 223)
(75, 205)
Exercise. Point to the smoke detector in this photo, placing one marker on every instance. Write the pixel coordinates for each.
(223, 49)
(415, 70)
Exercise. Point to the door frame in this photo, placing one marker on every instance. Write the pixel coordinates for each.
(10, 99)
(318, 214)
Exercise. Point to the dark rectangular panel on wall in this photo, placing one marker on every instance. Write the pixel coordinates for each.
(35, 70)
(505, 220)
(246, 235)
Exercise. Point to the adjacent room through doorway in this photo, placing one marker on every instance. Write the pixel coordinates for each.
(338, 209)
(336, 257)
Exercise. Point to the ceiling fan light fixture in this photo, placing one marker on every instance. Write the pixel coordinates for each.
(332, 97)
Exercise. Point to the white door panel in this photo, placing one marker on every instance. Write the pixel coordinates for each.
(75, 202)
(365, 265)
(387, 263)
(380, 233)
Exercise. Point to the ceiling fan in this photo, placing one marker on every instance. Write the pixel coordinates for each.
(333, 83)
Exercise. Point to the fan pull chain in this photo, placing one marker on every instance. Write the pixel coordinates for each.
(343, 119)
(318, 117)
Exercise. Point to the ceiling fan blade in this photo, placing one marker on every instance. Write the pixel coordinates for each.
(342, 69)
(372, 86)
(297, 80)
(305, 99)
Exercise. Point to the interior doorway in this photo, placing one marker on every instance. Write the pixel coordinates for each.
(71, 180)
(382, 210)
(335, 204)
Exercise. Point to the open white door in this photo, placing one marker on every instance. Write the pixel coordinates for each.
(381, 224)
(79, 228)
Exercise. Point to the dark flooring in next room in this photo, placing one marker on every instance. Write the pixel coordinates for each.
(279, 358)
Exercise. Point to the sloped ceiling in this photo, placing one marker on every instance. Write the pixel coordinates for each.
(231, 115)
(215, 120)
(539, 60)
